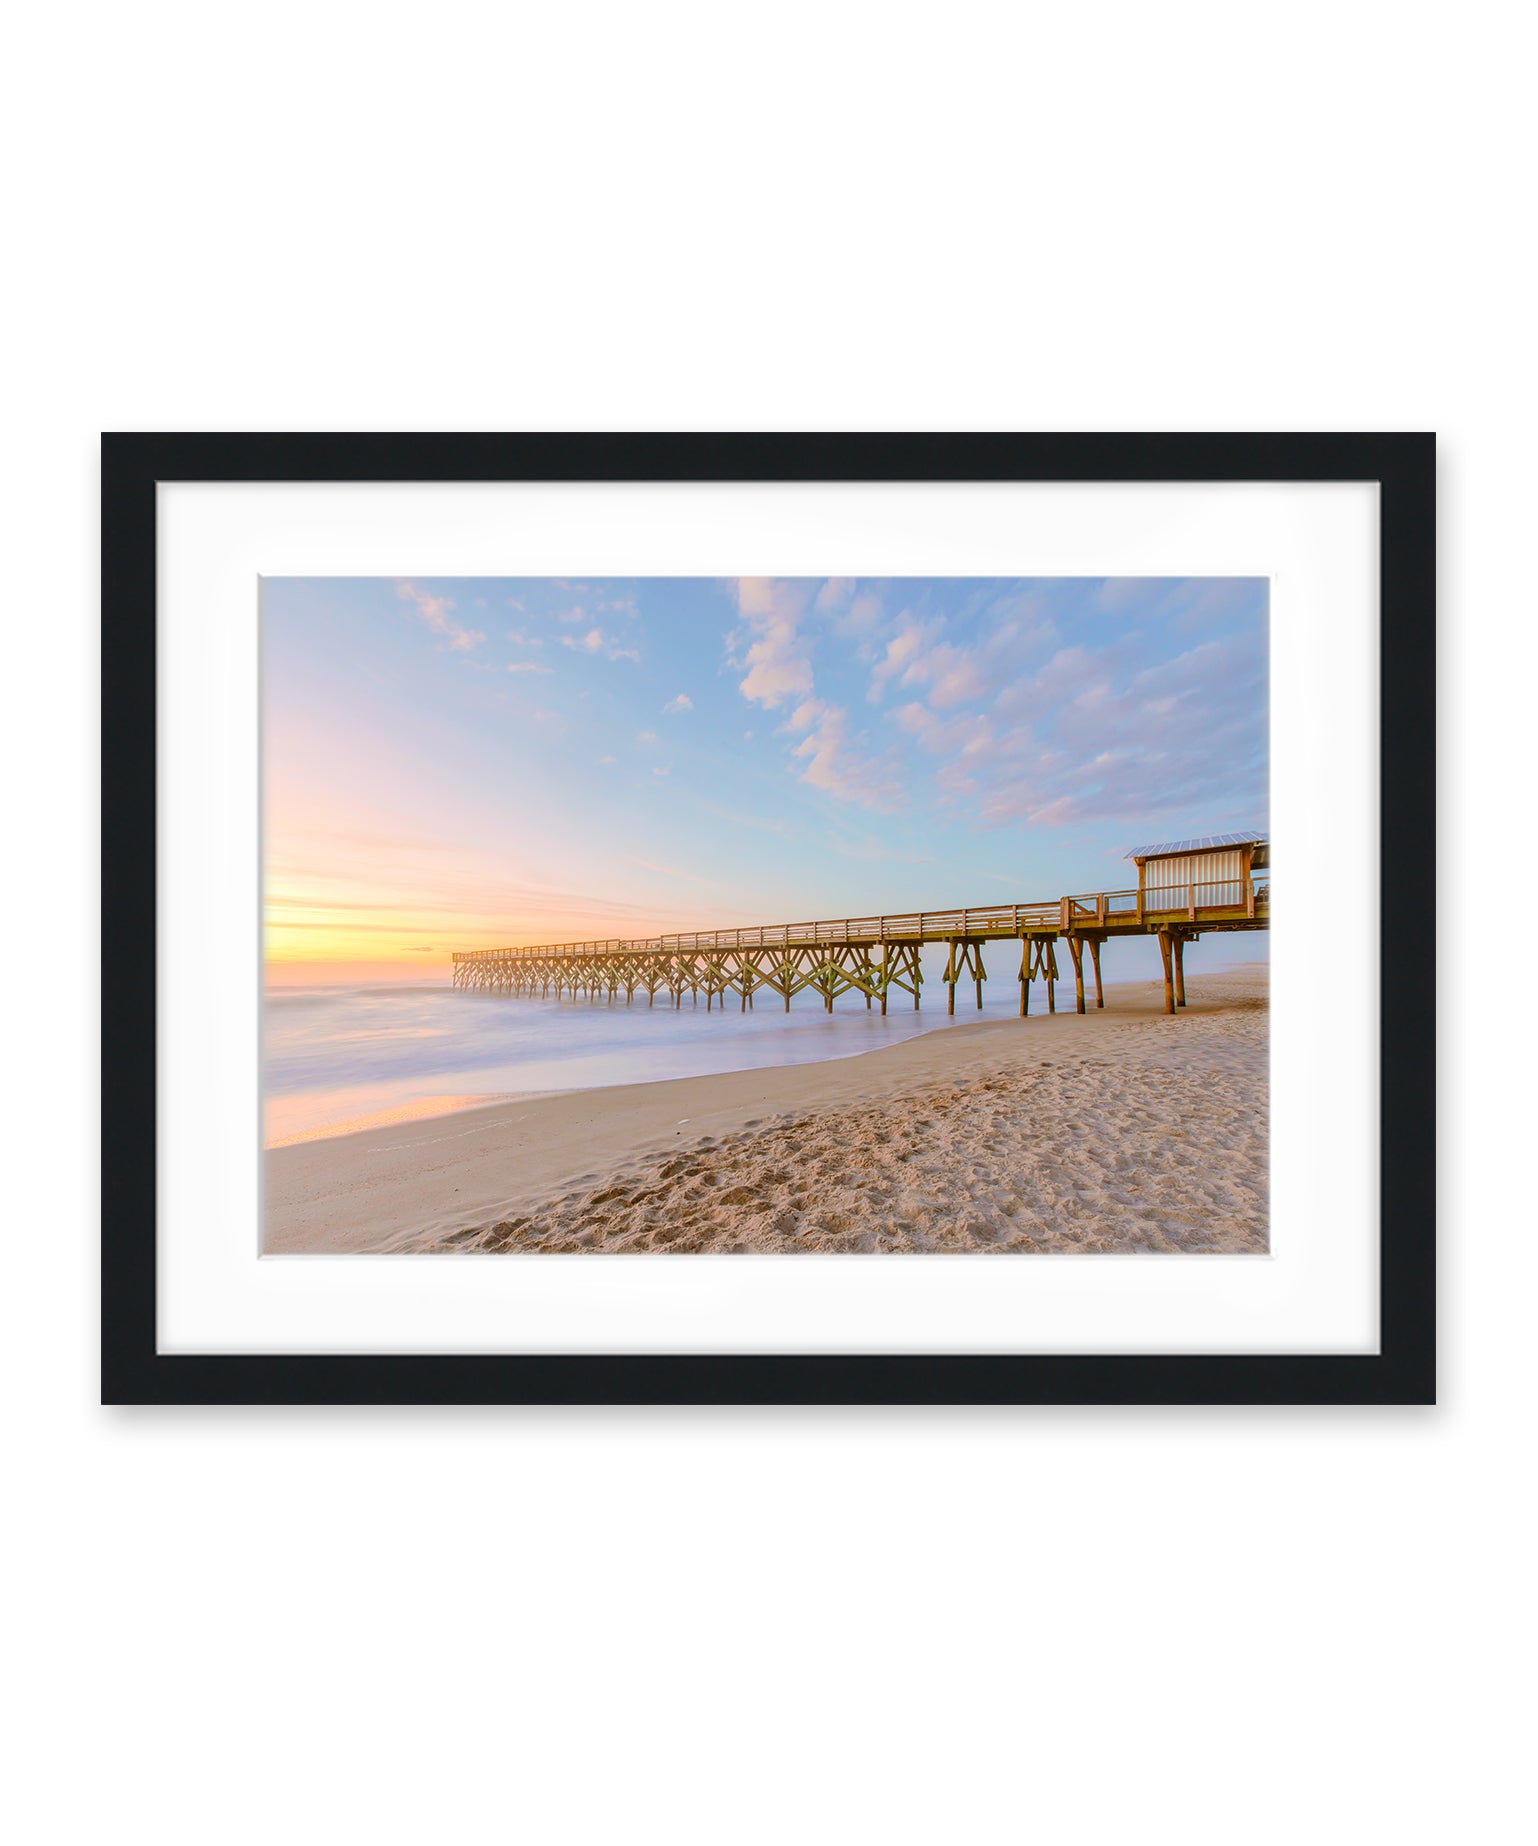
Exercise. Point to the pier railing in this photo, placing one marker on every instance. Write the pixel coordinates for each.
(875, 956)
(1086, 911)
(911, 926)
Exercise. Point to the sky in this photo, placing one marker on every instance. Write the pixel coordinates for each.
(455, 763)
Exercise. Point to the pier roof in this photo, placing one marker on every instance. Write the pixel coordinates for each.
(1207, 842)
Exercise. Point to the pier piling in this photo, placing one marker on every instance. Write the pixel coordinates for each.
(1169, 979)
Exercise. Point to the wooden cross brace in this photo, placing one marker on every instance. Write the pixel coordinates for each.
(1038, 960)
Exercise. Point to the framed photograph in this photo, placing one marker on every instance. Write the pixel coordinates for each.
(768, 918)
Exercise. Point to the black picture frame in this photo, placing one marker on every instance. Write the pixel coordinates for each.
(134, 1371)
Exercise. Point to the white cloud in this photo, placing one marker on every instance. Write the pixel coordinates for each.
(955, 675)
(920, 655)
(682, 703)
(778, 659)
(778, 668)
(965, 733)
(914, 657)
(1004, 724)
(853, 617)
(903, 651)
(833, 761)
(647, 737)
(1092, 734)
(605, 760)
(574, 614)
(862, 615)
(528, 666)
(434, 611)
(662, 769)
(595, 641)
(755, 595)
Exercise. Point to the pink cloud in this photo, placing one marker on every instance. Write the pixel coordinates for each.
(434, 611)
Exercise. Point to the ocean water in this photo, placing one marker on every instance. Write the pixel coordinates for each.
(339, 1058)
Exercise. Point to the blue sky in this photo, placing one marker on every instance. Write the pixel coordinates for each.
(457, 762)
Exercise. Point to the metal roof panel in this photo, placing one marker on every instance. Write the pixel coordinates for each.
(1208, 842)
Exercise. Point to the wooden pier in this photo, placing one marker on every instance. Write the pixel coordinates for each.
(1184, 888)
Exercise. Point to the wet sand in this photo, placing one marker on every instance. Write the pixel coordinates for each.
(1123, 1130)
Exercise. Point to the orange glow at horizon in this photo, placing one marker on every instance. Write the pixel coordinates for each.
(345, 883)
(388, 909)
(334, 933)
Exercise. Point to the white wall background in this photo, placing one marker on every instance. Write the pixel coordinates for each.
(1077, 1626)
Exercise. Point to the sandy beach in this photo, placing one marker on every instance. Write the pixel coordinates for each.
(1123, 1130)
